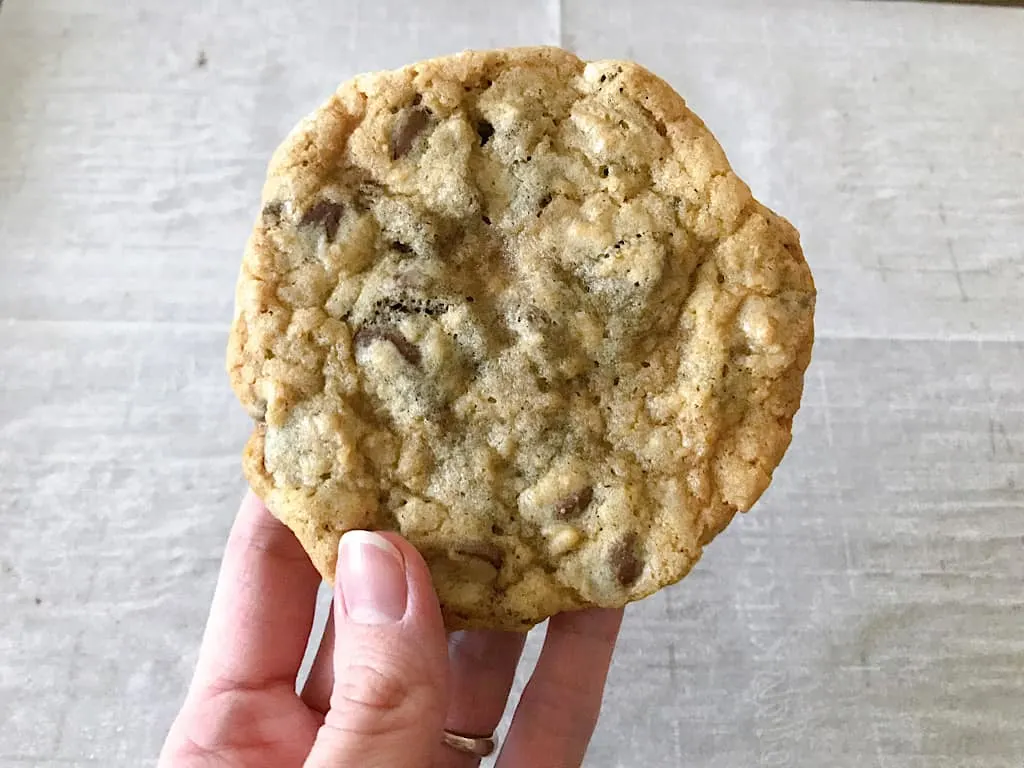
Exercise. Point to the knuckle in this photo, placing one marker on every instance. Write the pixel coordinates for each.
(369, 701)
(367, 687)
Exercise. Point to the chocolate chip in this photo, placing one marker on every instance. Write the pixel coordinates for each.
(401, 247)
(574, 504)
(624, 561)
(326, 212)
(485, 130)
(483, 550)
(272, 212)
(369, 334)
(408, 125)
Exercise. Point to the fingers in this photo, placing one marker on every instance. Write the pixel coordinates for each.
(390, 660)
(262, 607)
(559, 708)
(482, 667)
(316, 693)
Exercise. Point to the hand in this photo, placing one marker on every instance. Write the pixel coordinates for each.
(386, 680)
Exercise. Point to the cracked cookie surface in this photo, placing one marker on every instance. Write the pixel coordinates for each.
(519, 308)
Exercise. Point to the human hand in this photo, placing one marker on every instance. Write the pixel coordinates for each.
(386, 681)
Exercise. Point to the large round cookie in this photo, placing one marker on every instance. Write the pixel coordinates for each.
(520, 309)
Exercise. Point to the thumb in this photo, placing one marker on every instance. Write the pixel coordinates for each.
(390, 659)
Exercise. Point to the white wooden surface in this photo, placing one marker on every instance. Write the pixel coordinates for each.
(870, 612)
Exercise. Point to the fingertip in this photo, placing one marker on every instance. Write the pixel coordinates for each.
(372, 582)
(423, 601)
(416, 569)
(252, 508)
(601, 624)
(409, 553)
(352, 579)
(258, 534)
(356, 539)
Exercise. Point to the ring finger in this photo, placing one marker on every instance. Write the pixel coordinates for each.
(482, 666)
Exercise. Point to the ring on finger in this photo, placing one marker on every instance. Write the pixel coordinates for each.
(481, 746)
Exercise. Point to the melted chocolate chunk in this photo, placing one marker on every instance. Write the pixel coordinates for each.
(624, 561)
(327, 213)
(408, 125)
(369, 334)
(485, 130)
(574, 504)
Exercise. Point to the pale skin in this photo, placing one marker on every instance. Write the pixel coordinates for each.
(387, 678)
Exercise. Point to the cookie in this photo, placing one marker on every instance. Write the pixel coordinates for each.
(518, 308)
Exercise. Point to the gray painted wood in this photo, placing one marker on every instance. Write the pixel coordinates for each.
(870, 611)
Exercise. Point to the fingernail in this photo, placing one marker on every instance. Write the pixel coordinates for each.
(372, 575)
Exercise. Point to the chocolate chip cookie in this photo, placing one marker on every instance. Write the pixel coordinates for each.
(519, 308)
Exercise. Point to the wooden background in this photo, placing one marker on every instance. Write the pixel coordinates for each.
(869, 612)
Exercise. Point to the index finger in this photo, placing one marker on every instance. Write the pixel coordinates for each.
(558, 710)
(263, 605)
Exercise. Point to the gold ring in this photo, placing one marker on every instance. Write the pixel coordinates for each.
(481, 746)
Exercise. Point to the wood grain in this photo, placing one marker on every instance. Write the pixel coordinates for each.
(868, 612)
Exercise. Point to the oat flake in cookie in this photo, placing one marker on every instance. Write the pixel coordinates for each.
(519, 308)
